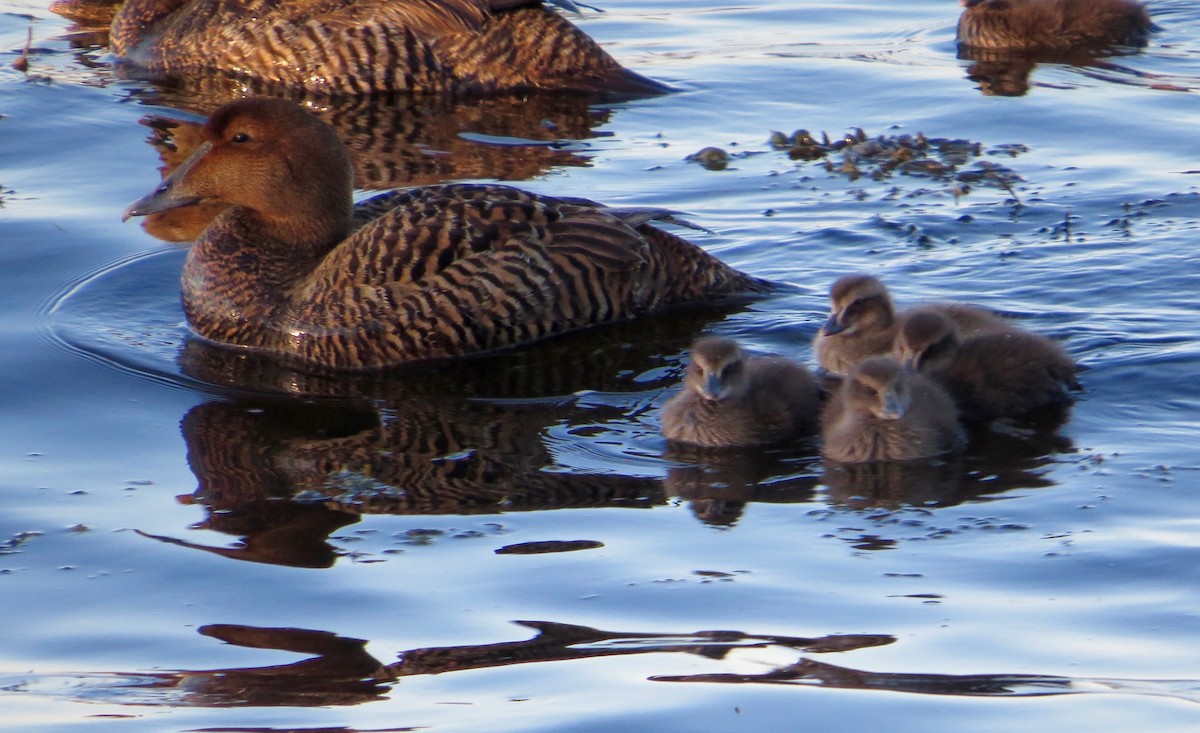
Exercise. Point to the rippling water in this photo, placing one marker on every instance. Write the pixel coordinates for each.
(194, 540)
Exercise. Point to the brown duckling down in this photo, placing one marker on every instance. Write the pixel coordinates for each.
(731, 399)
(353, 47)
(1007, 373)
(863, 322)
(882, 412)
(1052, 25)
(444, 271)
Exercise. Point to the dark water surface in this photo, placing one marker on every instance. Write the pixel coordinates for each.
(194, 540)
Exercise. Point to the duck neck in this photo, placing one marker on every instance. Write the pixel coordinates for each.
(240, 274)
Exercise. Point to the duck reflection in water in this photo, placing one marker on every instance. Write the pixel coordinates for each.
(1006, 39)
(341, 672)
(401, 141)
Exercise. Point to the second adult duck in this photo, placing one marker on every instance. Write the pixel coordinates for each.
(355, 47)
(443, 271)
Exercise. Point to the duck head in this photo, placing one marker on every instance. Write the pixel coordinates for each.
(718, 369)
(284, 169)
(877, 386)
(858, 303)
(927, 341)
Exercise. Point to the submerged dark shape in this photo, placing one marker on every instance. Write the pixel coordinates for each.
(1052, 25)
(731, 399)
(356, 47)
(443, 272)
(1005, 373)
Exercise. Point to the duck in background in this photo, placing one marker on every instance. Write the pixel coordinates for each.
(440, 272)
(863, 322)
(357, 47)
(731, 399)
(1007, 373)
(1056, 26)
(882, 412)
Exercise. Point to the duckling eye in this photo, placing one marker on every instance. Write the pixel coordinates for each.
(240, 137)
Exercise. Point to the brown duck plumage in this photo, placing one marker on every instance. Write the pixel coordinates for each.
(442, 272)
(352, 47)
(1052, 25)
(882, 412)
(1006, 373)
(863, 322)
(730, 399)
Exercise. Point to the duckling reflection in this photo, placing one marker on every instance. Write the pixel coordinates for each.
(884, 413)
(398, 141)
(447, 271)
(719, 485)
(364, 46)
(731, 399)
(1002, 374)
(1006, 39)
(863, 322)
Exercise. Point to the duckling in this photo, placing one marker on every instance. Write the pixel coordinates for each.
(885, 413)
(863, 322)
(1000, 374)
(355, 47)
(443, 272)
(1052, 25)
(731, 399)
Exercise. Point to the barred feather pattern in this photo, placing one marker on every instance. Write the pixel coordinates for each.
(448, 271)
(356, 47)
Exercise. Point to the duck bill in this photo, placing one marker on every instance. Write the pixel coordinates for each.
(166, 195)
(711, 390)
(832, 326)
(893, 408)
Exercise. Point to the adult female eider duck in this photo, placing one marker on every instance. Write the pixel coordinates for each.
(354, 47)
(1008, 373)
(863, 322)
(882, 412)
(441, 271)
(1052, 25)
(731, 399)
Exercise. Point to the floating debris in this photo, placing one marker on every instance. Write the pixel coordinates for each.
(879, 158)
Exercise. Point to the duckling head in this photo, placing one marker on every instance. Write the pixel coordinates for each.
(858, 303)
(877, 386)
(717, 371)
(926, 341)
(284, 168)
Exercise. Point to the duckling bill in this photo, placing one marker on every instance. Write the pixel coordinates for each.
(731, 399)
(443, 272)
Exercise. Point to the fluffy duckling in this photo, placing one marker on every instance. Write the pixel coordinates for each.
(442, 272)
(1052, 25)
(863, 322)
(1008, 373)
(354, 47)
(885, 413)
(730, 399)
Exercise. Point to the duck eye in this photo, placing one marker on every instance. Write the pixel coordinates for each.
(240, 137)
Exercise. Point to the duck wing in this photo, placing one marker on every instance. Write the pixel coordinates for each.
(464, 269)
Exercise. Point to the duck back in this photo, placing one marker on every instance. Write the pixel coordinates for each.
(355, 47)
(447, 271)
